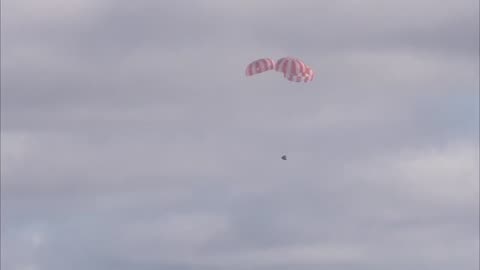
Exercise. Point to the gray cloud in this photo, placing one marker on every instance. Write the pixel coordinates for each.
(132, 139)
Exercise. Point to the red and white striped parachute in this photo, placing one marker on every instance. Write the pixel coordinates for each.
(293, 69)
(290, 66)
(259, 66)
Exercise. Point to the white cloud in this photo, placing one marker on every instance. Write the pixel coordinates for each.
(318, 254)
(441, 175)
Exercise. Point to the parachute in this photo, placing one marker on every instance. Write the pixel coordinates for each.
(293, 69)
(291, 66)
(259, 66)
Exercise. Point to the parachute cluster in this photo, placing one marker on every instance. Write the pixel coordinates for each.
(293, 69)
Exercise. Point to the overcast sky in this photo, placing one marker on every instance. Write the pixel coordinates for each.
(131, 138)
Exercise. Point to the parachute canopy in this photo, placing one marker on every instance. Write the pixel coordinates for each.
(259, 66)
(294, 69)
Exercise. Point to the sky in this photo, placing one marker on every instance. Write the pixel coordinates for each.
(132, 139)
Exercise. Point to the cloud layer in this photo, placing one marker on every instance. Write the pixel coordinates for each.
(131, 138)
